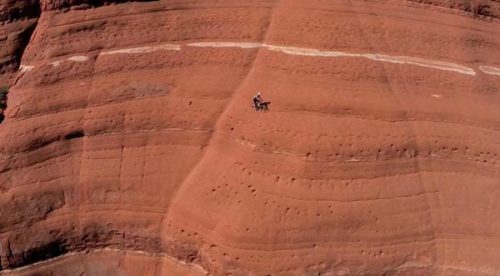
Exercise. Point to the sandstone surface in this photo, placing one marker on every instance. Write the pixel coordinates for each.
(130, 147)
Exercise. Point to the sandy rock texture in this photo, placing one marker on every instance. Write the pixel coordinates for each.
(130, 146)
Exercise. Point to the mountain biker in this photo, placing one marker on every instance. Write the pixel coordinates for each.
(257, 101)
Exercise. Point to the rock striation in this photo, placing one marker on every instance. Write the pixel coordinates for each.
(130, 146)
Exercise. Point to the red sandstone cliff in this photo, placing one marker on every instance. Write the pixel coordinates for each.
(130, 146)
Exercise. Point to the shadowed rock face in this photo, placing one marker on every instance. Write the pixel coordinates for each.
(13, 10)
(48, 5)
(17, 22)
(130, 145)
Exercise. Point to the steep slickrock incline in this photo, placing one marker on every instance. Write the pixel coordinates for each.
(109, 116)
(130, 145)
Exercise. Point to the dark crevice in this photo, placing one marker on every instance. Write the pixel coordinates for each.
(47, 251)
(21, 251)
(66, 5)
(41, 142)
(474, 8)
(24, 39)
(4, 91)
(74, 135)
(22, 10)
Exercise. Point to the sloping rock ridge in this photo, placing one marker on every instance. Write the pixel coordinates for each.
(130, 145)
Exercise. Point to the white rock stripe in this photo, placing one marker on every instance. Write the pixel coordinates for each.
(73, 58)
(25, 68)
(136, 50)
(244, 45)
(78, 58)
(142, 50)
(490, 70)
(440, 65)
(297, 51)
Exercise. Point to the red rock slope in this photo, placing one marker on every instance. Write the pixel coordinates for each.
(130, 145)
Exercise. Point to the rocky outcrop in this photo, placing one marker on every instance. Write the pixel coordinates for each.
(49, 5)
(17, 22)
(15, 10)
(479, 8)
(130, 145)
